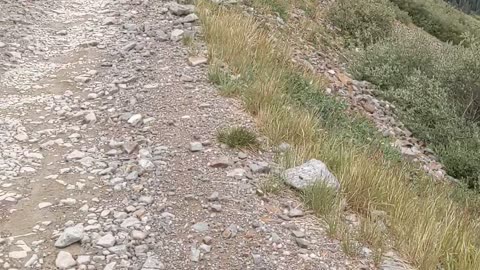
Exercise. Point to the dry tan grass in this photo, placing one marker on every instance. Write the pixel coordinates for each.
(426, 226)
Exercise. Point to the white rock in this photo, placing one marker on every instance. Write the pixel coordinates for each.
(309, 173)
(65, 260)
(106, 241)
(44, 205)
(17, 254)
(146, 164)
(135, 119)
(75, 154)
(90, 117)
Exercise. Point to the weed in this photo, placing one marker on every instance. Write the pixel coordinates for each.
(237, 137)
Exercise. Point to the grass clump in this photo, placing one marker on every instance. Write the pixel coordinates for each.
(362, 22)
(237, 137)
(428, 227)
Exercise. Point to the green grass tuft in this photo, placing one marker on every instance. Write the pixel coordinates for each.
(237, 137)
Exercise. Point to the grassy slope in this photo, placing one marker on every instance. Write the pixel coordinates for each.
(428, 227)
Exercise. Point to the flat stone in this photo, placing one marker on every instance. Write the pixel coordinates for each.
(75, 154)
(138, 235)
(106, 241)
(221, 162)
(295, 212)
(44, 205)
(298, 234)
(176, 34)
(180, 10)
(302, 242)
(196, 146)
(200, 227)
(17, 254)
(130, 221)
(197, 60)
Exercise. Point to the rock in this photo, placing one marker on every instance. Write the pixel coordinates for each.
(22, 137)
(69, 236)
(129, 46)
(44, 205)
(17, 254)
(213, 196)
(130, 147)
(197, 60)
(106, 241)
(221, 162)
(146, 164)
(128, 222)
(230, 232)
(138, 235)
(153, 263)
(237, 173)
(309, 173)
(75, 154)
(160, 35)
(83, 259)
(176, 34)
(189, 18)
(259, 167)
(216, 207)
(294, 212)
(135, 119)
(196, 146)
(110, 266)
(180, 10)
(302, 242)
(207, 240)
(284, 147)
(109, 21)
(194, 254)
(200, 227)
(65, 260)
(90, 117)
(298, 234)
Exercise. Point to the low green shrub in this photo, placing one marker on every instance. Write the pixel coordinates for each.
(439, 19)
(436, 89)
(362, 22)
(237, 137)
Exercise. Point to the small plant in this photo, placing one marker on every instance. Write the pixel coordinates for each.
(237, 137)
(273, 184)
(321, 198)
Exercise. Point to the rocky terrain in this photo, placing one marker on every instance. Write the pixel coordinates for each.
(108, 151)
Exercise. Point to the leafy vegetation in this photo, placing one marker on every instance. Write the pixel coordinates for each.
(439, 19)
(428, 227)
(436, 87)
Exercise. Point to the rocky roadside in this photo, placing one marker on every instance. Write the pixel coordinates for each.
(108, 155)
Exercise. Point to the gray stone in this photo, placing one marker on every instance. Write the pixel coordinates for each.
(295, 212)
(153, 263)
(106, 241)
(298, 234)
(160, 35)
(135, 119)
(194, 254)
(309, 173)
(180, 10)
(196, 146)
(65, 260)
(129, 46)
(221, 162)
(176, 34)
(302, 242)
(69, 236)
(146, 164)
(200, 227)
(128, 222)
(259, 167)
